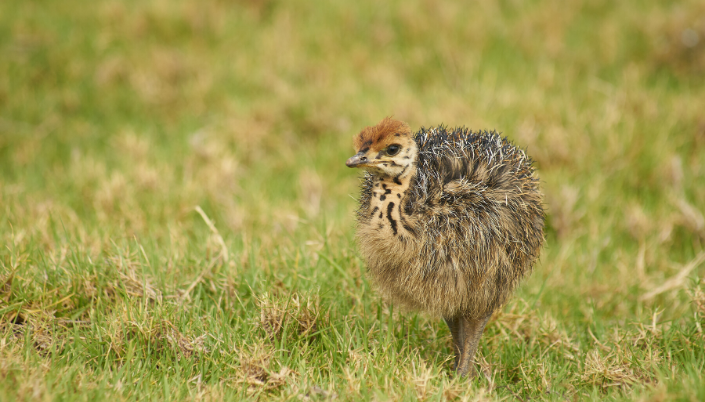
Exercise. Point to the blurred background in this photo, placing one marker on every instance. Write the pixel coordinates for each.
(117, 118)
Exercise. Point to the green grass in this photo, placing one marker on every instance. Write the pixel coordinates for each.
(119, 118)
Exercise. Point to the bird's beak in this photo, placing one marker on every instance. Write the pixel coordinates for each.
(358, 160)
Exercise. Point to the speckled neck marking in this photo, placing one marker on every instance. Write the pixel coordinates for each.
(388, 194)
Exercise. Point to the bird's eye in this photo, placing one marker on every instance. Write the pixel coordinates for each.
(393, 149)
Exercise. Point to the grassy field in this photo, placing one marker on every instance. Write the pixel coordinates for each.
(177, 220)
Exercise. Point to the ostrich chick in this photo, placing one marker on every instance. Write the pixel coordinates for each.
(449, 222)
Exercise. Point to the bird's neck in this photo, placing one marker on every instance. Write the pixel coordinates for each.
(388, 195)
(385, 187)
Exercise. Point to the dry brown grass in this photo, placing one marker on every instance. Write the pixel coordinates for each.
(301, 312)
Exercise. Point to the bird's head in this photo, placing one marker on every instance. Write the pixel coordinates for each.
(387, 149)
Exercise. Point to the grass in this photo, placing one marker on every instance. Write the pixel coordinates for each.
(177, 222)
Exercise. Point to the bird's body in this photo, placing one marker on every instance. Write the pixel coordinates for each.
(449, 222)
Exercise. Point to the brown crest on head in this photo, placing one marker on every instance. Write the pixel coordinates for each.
(379, 136)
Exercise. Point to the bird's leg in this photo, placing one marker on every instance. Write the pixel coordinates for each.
(455, 327)
(471, 331)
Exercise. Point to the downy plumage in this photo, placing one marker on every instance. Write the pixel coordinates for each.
(449, 222)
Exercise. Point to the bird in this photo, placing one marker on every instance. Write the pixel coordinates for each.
(450, 220)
